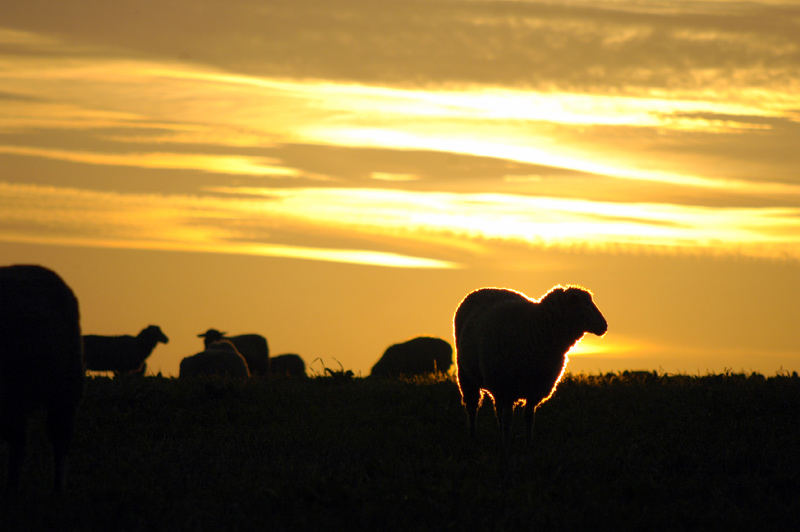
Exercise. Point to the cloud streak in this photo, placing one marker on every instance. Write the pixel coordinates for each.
(626, 125)
(65, 216)
(272, 222)
(543, 221)
(572, 45)
(523, 126)
(224, 164)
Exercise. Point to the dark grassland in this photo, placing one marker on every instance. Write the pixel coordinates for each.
(629, 451)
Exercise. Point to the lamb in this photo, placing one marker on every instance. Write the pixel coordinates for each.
(254, 347)
(220, 358)
(122, 354)
(287, 365)
(41, 363)
(417, 356)
(515, 348)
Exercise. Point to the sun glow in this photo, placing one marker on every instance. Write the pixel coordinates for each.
(540, 220)
(526, 126)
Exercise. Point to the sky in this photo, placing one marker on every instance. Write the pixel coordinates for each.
(338, 175)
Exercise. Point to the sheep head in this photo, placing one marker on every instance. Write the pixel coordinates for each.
(211, 336)
(154, 334)
(576, 306)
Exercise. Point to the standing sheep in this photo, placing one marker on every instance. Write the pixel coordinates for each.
(253, 347)
(41, 362)
(220, 358)
(287, 365)
(417, 356)
(122, 354)
(515, 348)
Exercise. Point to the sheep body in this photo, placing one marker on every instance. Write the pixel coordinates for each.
(287, 365)
(515, 348)
(122, 354)
(418, 356)
(221, 358)
(41, 362)
(253, 347)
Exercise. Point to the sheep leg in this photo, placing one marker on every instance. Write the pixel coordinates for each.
(505, 411)
(530, 412)
(14, 425)
(472, 398)
(16, 456)
(60, 423)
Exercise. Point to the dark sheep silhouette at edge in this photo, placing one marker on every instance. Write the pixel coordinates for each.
(515, 348)
(418, 356)
(220, 359)
(287, 365)
(124, 355)
(41, 363)
(253, 347)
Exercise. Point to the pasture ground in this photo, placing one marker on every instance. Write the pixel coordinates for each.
(626, 451)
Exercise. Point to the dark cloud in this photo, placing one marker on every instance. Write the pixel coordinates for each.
(423, 42)
(16, 97)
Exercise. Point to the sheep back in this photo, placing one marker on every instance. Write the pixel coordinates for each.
(512, 360)
(253, 347)
(219, 359)
(287, 365)
(417, 356)
(41, 360)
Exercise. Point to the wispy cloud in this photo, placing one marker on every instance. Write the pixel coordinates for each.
(236, 165)
(569, 44)
(56, 215)
(393, 176)
(542, 221)
(569, 99)
(256, 221)
(522, 126)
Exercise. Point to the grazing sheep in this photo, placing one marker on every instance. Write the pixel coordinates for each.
(417, 356)
(41, 362)
(287, 365)
(220, 358)
(515, 348)
(121, 354)
(253, 347)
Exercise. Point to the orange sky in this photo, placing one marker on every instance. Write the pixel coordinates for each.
(336, 176)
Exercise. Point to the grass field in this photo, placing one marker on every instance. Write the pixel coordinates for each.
(631, 451)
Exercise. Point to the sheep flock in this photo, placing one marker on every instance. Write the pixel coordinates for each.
(253, 347)
(508, 346)
(220, 358)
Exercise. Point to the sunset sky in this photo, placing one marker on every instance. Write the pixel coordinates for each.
(338, 175)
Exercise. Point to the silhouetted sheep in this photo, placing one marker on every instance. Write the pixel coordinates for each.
(417, 356)
(515, 348)
(220, 358)
(122, 354)
(41, 362)
(287, 365)
(253, 347)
